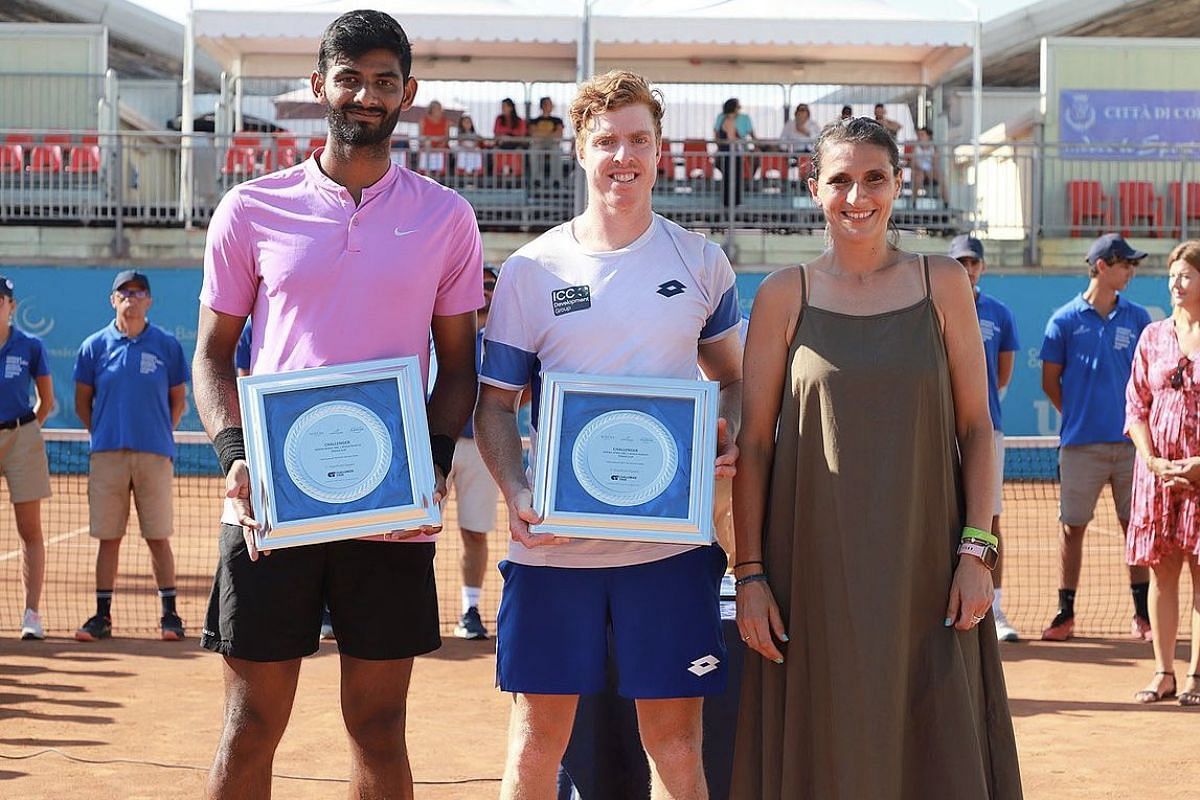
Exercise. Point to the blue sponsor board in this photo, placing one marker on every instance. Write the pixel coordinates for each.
(1113, 124)
(1032, 299)
(63, 305)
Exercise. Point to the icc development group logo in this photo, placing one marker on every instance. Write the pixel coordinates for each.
(32, 321)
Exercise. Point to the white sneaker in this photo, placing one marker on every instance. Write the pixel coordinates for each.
(31, 625)
(1004, 631)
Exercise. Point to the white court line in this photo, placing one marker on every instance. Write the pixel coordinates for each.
(11, 554)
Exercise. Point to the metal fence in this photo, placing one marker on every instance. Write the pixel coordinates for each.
(1023, 190)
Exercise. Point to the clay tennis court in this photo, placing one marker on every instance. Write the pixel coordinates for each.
(137, 718)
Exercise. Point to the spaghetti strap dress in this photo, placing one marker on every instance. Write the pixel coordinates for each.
(876, 698)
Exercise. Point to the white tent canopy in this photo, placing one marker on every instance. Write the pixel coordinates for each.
(739, 41)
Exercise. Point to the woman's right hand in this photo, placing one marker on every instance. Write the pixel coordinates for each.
(758, 620)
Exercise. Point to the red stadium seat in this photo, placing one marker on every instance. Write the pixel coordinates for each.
(313, 144)
(1088, 206)
(1192, 213)
(84, 159)
(666, 162)
(12, 158)
(46, 158)
(241, 161)
(57, 138)
(507, 164)
(773, 167)
(19, 138)
(696, 159)
(1140, 207)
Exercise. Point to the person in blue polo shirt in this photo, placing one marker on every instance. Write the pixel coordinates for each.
(130, 387)
(1087, 355)
(999, 333)
(23, 463)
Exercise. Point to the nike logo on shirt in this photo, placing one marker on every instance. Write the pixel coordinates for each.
(399, 232)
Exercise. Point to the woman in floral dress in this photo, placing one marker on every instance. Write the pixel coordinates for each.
(1162, 402)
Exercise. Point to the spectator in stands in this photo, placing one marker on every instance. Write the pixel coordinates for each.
(509, 130)
(999, 332)
(847, 114)
(799, 132)
(568, 604)
(1087, 354)
(865, 359)
(546, 132)
(732, 129)
(22, 450)
(435, 139)
(130, 391)
(926, 172)
(468, 159)
(336, 300)
(477, 496)
(1162, 417)
(882, 118)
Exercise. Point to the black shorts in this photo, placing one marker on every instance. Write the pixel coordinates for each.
(381, 595)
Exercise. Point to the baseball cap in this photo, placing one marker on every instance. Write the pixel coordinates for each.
(966, 246)
(6, 287)
(128, 276)
(1112, 247)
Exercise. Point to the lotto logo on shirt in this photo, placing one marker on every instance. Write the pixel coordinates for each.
(988, 328)
(150, 363)
(1123, 339)
(570, 298)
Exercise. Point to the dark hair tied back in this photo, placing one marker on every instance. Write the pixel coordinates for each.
(859, 130)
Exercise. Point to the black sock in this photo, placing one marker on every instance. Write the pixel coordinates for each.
(1141, 594)
(167, 595)
(1066, 603)
(104, 602)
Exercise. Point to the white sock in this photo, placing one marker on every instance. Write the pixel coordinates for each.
(470, 597)
(996, 600)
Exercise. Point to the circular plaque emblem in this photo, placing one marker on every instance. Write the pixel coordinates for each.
(624, 458)
(337, 452)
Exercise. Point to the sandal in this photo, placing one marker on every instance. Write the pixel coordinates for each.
(1192, 696)
(1148, 695)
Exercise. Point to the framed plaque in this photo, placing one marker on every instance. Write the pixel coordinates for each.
(626, 458)
(338, 452)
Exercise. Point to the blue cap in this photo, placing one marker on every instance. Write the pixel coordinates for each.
(1112, 247)
(6, 287)
(966, 246)
(128, 276)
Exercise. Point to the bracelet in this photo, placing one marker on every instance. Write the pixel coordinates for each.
(746, 564)
(230, 445)
(758, 577)
(441, 447)
(977, 533)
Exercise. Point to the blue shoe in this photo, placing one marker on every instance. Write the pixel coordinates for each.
(470, 626)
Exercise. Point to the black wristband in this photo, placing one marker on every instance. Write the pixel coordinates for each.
(442, 448)
(758, 577)
(230, 445)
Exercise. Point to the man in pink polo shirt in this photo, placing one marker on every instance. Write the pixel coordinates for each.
(343, 258)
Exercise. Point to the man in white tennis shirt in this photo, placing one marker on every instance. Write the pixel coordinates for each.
(616, 291)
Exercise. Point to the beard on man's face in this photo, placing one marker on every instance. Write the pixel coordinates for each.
(360, 134)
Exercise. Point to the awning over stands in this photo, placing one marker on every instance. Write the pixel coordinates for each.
(740, 41)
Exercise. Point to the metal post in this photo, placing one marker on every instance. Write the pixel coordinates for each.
(1183, 199)
(187, 123)
(1037, 179)
(976, 111)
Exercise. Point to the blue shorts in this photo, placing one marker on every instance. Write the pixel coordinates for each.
(661, 619)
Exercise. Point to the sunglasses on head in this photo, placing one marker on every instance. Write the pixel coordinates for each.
(1176, 377)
